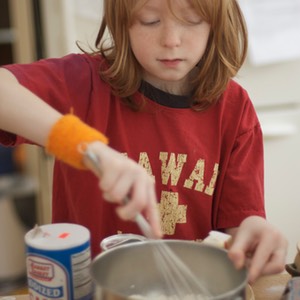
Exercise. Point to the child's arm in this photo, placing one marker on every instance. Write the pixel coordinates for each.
(24, 114)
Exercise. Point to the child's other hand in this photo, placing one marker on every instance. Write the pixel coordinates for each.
(260, 246)
(121, 177)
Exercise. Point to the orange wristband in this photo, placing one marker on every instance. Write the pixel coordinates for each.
(65, 137)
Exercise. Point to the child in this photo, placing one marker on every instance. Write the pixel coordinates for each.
(161, 93)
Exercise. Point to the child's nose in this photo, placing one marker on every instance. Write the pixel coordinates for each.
(170, 36)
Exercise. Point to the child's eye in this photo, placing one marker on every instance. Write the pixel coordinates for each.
(150, 22)
(194, 20)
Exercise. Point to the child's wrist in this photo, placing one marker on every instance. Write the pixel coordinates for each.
(66, 138)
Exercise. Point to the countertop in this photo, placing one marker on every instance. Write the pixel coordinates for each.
(270, 287)
(266, 288)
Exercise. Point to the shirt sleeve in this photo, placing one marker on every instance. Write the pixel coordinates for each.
(241, 190)
(61, 82)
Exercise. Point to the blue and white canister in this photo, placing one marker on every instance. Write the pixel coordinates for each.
(58, 259)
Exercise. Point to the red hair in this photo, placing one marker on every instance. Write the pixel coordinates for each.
(225, 53)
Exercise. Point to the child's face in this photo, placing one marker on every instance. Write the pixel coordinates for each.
(168, 48)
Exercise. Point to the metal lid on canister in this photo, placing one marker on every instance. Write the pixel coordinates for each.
(57, 236)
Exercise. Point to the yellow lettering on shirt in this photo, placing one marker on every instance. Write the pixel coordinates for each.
(171, 213)
(196, 176)
(172, 168)
(211, 187)
(145, 162)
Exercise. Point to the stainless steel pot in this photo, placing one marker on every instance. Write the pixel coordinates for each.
(131, 269)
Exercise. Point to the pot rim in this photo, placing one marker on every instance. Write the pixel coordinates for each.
(118, 240)
(226, 295)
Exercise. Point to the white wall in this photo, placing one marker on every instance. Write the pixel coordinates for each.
(268, 84)
(68, 21)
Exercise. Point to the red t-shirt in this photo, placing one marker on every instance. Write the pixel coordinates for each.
(208, 166)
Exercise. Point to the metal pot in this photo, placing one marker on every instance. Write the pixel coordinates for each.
(131, 269)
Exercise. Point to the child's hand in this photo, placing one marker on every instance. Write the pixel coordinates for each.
(121, 177)
(259, 246)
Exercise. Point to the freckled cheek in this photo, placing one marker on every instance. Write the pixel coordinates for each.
(199, 46)
(137, 50)
(141, 46)
(142, 56)
(139, 36)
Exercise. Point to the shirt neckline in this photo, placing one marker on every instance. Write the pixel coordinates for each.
(164, 98)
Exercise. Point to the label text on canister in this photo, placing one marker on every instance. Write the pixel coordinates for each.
(57, 292)
(46, 278)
